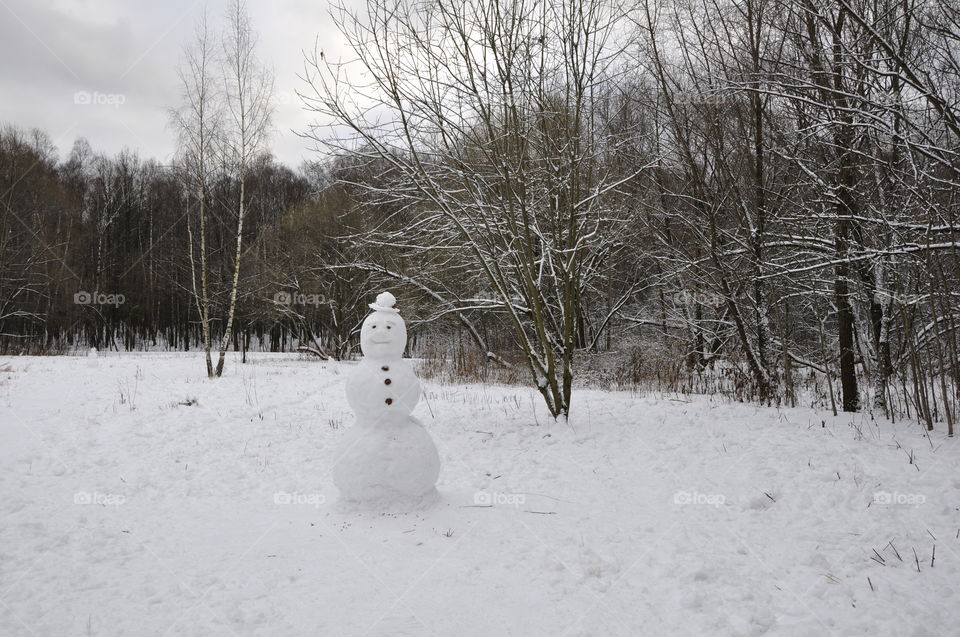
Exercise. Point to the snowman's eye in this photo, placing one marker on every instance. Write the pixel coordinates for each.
(373, 327)
(388, 327)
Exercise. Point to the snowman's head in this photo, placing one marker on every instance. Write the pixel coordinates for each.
(383, 334)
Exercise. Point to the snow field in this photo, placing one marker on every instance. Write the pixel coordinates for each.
(139, 498)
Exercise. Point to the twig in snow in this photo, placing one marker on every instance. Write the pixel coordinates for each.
(426, 399)
(890, 544)
(871, 585)
(544, 495)
(916, 559)
(934, 556)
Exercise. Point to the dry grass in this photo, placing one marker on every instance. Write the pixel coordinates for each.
(655, 367)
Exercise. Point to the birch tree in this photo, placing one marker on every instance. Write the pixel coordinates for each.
(197, 122)
(248, 89)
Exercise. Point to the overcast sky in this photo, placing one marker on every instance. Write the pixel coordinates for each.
(53, 49)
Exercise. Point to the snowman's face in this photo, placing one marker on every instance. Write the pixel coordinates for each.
(383, 335)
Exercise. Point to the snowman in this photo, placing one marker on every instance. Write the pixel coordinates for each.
(387, 457)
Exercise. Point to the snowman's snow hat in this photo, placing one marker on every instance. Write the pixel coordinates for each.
(384, 303)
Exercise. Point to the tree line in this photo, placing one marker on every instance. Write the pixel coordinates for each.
(92, 248)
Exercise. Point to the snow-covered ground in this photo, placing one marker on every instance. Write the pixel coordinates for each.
(139, 498)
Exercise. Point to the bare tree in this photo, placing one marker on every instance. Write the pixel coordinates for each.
(488, 113)
(197, 122)
(718, 192)
(248, 89)
(222, 126)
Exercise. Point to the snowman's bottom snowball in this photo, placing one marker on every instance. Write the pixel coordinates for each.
(387, 463)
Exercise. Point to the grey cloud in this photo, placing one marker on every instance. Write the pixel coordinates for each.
(52, 49)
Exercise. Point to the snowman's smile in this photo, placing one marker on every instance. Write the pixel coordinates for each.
(376, 342)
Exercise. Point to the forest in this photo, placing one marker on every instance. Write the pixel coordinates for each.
(750, 197)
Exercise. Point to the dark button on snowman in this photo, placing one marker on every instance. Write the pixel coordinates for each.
(387, 456)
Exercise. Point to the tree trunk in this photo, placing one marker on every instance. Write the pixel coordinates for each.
(231, 313)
